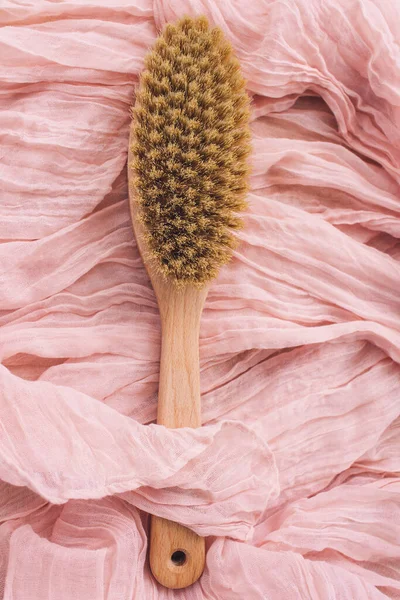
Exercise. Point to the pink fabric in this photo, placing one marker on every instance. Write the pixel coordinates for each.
(295, 474)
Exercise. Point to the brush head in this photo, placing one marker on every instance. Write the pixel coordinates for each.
(189, 149)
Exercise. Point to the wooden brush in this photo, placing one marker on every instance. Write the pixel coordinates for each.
(187, 165)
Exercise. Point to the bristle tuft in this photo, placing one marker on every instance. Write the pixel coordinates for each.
(190, 148)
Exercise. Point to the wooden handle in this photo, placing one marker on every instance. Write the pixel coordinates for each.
(179, 402)
(177, 554)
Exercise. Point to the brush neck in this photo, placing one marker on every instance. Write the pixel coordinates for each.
(179, 387)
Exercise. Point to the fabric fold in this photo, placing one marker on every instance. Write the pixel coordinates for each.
(209, 483)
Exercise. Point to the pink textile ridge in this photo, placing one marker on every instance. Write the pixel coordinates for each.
(295, 475)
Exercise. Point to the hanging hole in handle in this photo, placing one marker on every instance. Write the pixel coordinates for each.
(178, 558)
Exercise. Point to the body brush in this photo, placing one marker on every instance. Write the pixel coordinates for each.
(187, 166)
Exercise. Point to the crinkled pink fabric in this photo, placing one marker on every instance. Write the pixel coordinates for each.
(295, 475)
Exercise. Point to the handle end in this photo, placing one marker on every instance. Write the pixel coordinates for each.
(177, 554)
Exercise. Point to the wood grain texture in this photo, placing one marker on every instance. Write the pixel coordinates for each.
(179, 387)
(179, 405)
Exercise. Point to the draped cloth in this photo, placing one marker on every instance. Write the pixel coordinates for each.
(294, 476)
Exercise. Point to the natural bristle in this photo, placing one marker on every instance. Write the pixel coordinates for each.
(190, 147)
